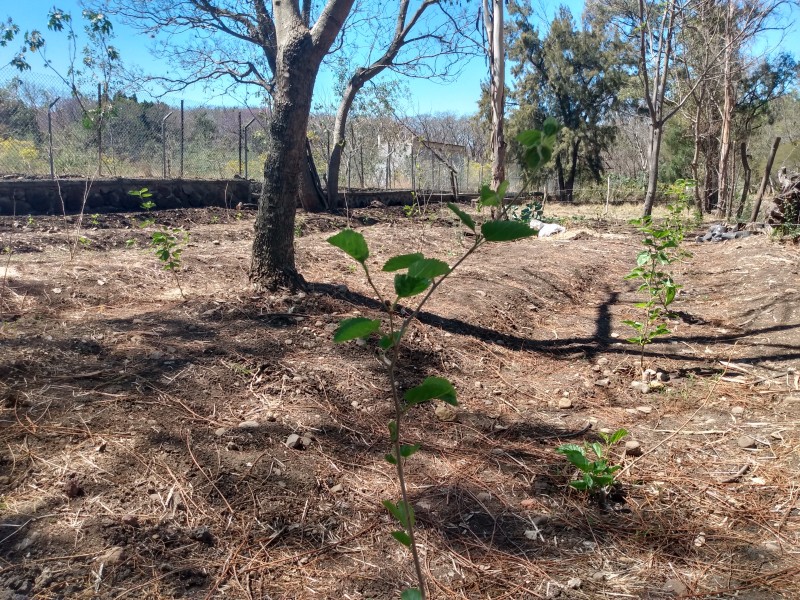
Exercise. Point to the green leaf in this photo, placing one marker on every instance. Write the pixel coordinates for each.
(488, 197)
(532, 137)
(403, 538)
(550, 127)
(579, 485)
(406, 286)
(387, 341)
(358, 327)
(501, 190)
(465, 218)
(432, 388)
(428, 268)
(617, 436)
(597, 449)
(642, 258)
(506, 231)
(351, 242)
(396, 510)
(390, 459)
(392, 430)
(407, 450)
(403, 261)
(411, 594)
(575, 455)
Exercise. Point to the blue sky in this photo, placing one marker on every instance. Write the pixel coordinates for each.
(459, 96)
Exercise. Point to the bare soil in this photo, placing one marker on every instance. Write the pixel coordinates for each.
(142, 434)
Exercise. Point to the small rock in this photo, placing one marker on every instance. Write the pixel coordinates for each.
(483, 496)
(737, 410)
(661, 376)
(215, 242)
(305, 441)
(72, 488)
(445, 412)
(112, 556)
(337, 488)
(641, 386)
(771, 547)
(553, 592)
(318, 324)
(219, 432)
(597, 368)
(528, 503)
(249, 425)
(478, 385)
(564, 403)
(648, 374)
(656, 385)
(355, 404)
(271, 417)
(603, 382)
(675, 587)
(602, 361)
(598, 576)
(5, 480)
(574, 583)
(746, 442)
(645, 409)
(293, 441)
(633, 448)
(202, 534)
(130, 520)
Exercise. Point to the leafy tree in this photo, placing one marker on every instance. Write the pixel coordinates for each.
(573, 74)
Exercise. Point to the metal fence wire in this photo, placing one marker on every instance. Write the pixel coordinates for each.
(46, 131)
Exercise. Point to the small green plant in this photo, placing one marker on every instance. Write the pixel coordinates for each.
(661, 243)
(238, 216)
(214, 220)
(598, 474)
(148, 205)
(84, 241)
(94, 220)
(409, 210)
(31, 222)
(168, 245)
(131, 243)
(418, 276)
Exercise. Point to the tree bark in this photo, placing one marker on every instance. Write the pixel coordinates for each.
(495, 32)
(656, 132)
(273, 264)
(573, 168)
(765, 180)
(339, 139)
(746, 183)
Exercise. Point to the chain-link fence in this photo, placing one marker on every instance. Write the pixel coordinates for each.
(46, 130)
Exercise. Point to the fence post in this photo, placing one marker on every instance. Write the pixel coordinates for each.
(164, 144)
(50, 136)
(99, 130)
(240, 142)
(246, 152)
(182, 138)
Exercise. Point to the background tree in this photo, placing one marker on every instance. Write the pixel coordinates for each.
(493, 23)
(574, 75)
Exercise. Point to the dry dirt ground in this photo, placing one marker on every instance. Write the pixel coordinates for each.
(142, 435)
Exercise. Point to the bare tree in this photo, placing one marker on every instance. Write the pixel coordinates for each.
(493, 24)
(278, 48)
(437, 38)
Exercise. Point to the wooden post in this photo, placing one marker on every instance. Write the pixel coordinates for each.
(765, 180)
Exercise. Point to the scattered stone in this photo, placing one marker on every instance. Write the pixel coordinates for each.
(656, 385)
(528, 503)
(483, 496)
(203, 535)
(112, 556)
(602, 361)
(5, 480)
(271, 417)
(318, 324)
(355, 404)
(737, 411)
(648, 374)
(633, 448)
(219, 432)
(645, 409)
(73, 488)
(336, 489)
(249, 425)
(305, 441)
(130, 520)
(553, 592)
(598, 576)
(661, 376)
(478, 385)
(675, 587)
(293, 441)
(641, 386)
(445, 412)
(746, 442)
(771, 547)
(564, 403)
(603, 382)
(597, 368)
(215, 242)
(574, 583)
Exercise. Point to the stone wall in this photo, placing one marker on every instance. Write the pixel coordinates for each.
(44, 196)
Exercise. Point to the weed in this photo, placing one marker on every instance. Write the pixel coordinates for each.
(417, 276)
(168, 245)
(598, 474)
(661, 248)
(84, 241)
(130, 243)
(238, 216)
(214, 220)
(30, 222)
(94, 220)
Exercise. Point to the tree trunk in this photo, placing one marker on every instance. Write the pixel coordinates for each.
(498, 92)
(273, 264)
(695, 164)
(727, 114)
(339, 129)
(763, 187)
(560, 178)
(573, 168)
(652, 168)
(746, 183)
